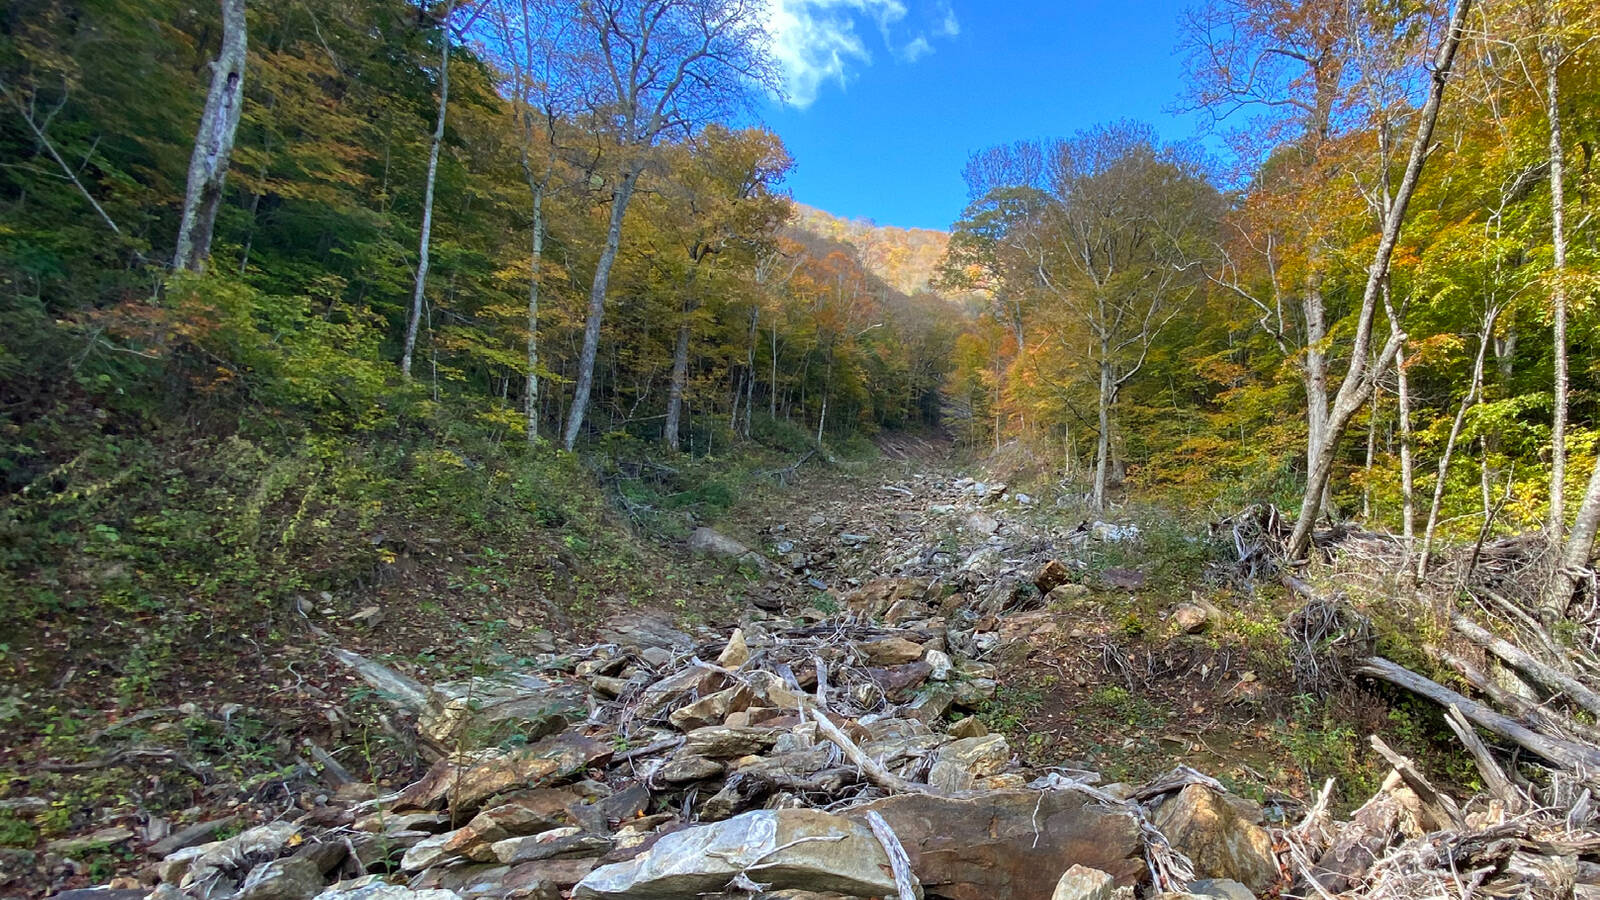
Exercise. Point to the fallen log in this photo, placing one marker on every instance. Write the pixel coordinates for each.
(1549, 676)
(1570, 755)
(1494, 777)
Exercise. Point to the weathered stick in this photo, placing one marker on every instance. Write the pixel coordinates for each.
(1565, 754)
(1494, 777)
(905, 882)
(1445, 812)
(1550, 677)
(876, 773)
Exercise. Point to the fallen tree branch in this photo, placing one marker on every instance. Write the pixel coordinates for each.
(1516, 657)
(904, 882)
(1575, 757)
(1494, 777)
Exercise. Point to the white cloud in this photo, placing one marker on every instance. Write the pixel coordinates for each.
(817, 41)
(916, 50)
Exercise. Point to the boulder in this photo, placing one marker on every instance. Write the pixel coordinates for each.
(467, 784)
(557, 844)
(969, 727)
(981, 523)
(1191, 618)
(712, 709)
(783, 849)
(1066, 594)
(1083, 883)
(635, 632)
(283, 879)
(545, 879)
(958, 764)
(997, 845)
(373, 887)
(894, 651)
(485, 712)
(1051, 576)
(240, 853)
(1117, 578)
(874, 598)
(723, 742)
(1202, 824)
(737, 653)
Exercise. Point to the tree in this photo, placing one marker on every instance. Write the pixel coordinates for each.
(649, 69)
(1362, 373)
(425, 239)
(213, 144)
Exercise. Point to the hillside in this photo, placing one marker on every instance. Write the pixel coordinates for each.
(905, 258)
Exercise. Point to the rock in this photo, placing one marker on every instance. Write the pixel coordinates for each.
(176, 864)
(972, 693)
(103, 893)
(874, 598)
(737, 653)
(714, 543)
(969, 727)
(419, 821)
(369, 616)
(426, 853)
(634, 632)
(1122, 579)
(1221, 889)
(198, 833)
(545, 879)
(508, 820)
(712, 709)
(1105, 531)
(939, 665)
(1202, 824)
(981, 523)
(1082, 883)
(555, 844)
(854, 540)
(487, 773)
(821, 852)
(676, 689)
(1191, 618)
(485, 712)
(894, 651)
(723, 742)
(996, 846)
(241, 852)
(99, 840)
(373, 887)
(685, 768)
(1051, 576)
(898, 682)
(960, 763)
(283, 879)
(471, 880)
(1064, 594)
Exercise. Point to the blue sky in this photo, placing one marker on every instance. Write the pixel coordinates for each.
(889, 97)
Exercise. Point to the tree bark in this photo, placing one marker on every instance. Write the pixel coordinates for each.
(1550, 49)
(1358, 382)
(213, 144)
(597, 306)
(424, 242)
(530, 389)
(1102, 447)
(680, 375)
(1574, 563)
(1408, 480)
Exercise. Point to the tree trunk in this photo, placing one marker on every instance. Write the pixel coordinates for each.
(530, 390)
(213, 144)
(680, 374)
(1102, 450)
(1408, 480)
(1315, 373)
(1359, 380)
(1574, 564)
(1450, 445)
(427, 202)
(1550, 49)
(772, 397)
(597, 306)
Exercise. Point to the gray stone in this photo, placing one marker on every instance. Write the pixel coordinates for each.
(484, 712)
(1221, 889)
(373, 887)
(819, 852)
(283, 879)
(958, 764)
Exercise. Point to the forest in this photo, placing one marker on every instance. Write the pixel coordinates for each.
(381, 301)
